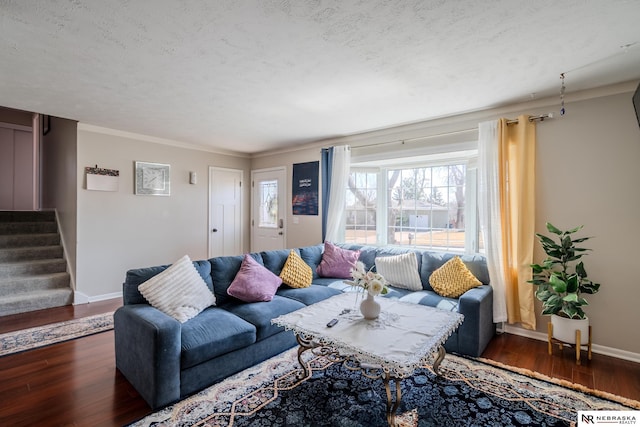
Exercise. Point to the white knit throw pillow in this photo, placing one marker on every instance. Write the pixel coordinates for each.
(178, 291)
(400, 271)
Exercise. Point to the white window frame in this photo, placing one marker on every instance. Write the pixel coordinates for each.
(468, 157)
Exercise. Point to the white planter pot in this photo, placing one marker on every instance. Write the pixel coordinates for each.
(565, 329)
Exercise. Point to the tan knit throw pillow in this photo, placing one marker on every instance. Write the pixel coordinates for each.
(296, 273)
(453, 279)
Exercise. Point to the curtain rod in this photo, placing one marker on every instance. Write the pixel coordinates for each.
(540, 118)
(406, 140)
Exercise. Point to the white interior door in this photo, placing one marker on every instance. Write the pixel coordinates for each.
(225, 212)
(268, 209)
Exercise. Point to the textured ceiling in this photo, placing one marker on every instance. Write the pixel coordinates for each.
(250, 76)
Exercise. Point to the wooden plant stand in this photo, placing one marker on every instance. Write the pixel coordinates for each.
(577, 345)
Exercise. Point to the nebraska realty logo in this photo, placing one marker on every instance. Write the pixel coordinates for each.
(618, 418)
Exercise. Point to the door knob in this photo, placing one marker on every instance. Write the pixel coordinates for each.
(281, 233)
(215, 230)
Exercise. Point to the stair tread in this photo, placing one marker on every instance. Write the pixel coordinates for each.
(35, 300)
(30, 247)
(34, 276)
(38, 234)
(35, 293)
(29, 215)
(30, 252)
(33, 261)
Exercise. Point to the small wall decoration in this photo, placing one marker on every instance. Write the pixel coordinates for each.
(305, 188)
(152, 179)
(99, 179)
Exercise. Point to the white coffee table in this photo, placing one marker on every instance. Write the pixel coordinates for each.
(404, 338)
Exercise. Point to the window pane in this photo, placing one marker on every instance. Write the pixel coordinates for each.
(426, 207)
(361, 204)
(268, 204)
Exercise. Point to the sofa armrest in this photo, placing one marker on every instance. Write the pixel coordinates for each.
(478, 328)
(148, 346)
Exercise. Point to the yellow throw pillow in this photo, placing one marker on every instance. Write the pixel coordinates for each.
(453, 279)
(296, 273)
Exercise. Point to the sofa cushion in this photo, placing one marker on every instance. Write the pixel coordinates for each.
(212, 333)
(400, 271)
(431, 299)
(253, 282)
(312, 255)
(296, 273)
(137, 276)
(337, 262)
(431, 261)
(260, 314)
(396, 293)
(309, 295)
(223, 271)
(368, 254)
(274, 260)
(178, 291)
(453, 279)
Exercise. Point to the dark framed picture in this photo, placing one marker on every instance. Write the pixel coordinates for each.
(152, 179)
(46, 123)
(305, 188)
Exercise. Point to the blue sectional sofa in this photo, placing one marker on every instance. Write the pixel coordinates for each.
(166, 360)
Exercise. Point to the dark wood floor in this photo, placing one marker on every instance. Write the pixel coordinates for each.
(76, 383)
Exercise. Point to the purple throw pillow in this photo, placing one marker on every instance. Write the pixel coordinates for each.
(253, 282)
(337, 262)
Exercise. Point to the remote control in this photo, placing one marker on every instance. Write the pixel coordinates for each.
(332, 323)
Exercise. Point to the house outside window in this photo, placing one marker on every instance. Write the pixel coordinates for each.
(425, 202)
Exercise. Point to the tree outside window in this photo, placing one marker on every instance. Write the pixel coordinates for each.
(421, 207)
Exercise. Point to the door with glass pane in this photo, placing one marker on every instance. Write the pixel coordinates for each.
(268, 209)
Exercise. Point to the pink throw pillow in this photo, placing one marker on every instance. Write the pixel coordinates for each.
(254, 282)
(337, 262)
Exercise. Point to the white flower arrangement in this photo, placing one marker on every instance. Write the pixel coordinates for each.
(369, 281)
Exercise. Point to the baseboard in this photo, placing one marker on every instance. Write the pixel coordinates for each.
(82, 298)
(595, 348)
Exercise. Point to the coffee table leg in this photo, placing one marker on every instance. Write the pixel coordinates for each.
(392, 406)
(304, 346)
(439, 359)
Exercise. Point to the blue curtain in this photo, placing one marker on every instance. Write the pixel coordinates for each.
(326, 166)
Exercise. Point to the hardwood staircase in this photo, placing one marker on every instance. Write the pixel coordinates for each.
(33, 271)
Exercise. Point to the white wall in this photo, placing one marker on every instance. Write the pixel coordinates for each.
(118, 231)
(587, 174)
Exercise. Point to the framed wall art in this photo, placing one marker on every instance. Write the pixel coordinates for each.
(100, 179)
(152, 179)
(305, 188)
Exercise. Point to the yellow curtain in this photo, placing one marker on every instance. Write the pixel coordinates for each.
(517, 192)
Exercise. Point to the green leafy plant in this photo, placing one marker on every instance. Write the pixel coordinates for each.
(561, 279)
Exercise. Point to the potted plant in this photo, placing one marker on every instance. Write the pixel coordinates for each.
(561, 281)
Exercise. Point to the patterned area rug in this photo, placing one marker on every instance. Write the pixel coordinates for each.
(27, 339)
(469, 393)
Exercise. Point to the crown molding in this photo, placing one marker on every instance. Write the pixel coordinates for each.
(147, 138)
